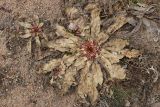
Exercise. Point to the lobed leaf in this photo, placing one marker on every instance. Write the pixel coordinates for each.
(90, 79)
(116, 45)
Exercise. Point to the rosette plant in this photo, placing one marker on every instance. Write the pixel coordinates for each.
(87, 49)
(33, 30)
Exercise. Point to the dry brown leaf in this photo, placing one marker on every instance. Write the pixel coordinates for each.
(91, 6)
(45, 37)
(72, 12)
(61, 31)
(68, 60)
(131, 53)
(62, 45)
(113, 57)
(119, 22)
(38, 43)
(89, 81)
(29, 45)
(48, 67)
(102, 37)
(27, 35)
(25, 24)
(97, 73)
(95, 19)
(79, 63)
(95, 22)
(115, 71)
(79, 26)
(69, 77)
(116, 45)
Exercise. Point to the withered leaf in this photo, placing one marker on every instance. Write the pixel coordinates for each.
(29, 45)
(131, 53)
(89, 81)
(61, 31)
(68, 60)
(116, 45)
(113, 57)
(72, 12)
(62, 45)
(120, 20)
(69, 77)
(27, 35)
(115, 71)
(95, 22)
(25, 24)
(48, 67)
(38, 43)
(102, 37)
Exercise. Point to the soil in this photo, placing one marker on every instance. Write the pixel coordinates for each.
(21, 86)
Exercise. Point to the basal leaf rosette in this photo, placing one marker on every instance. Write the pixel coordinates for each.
(32, 30)
(86, 52)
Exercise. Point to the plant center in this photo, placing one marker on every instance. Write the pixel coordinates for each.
(90, 49)
(35, 29)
